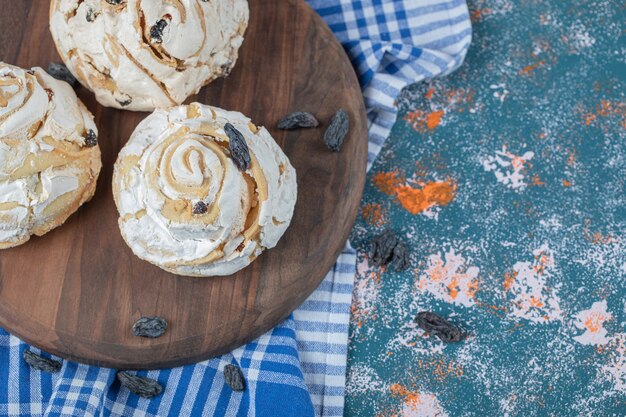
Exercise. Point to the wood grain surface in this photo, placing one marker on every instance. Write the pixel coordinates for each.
(77, 291)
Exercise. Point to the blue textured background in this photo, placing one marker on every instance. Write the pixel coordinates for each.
(507, 179)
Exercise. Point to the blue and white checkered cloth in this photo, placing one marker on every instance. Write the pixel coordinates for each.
(298, 368)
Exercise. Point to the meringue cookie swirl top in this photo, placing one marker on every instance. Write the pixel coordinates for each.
(183, 203)
(49, 157)
(145, 54)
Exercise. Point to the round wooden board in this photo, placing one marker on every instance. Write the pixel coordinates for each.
(77, 291)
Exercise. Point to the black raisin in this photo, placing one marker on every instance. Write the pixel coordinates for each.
(40, 363)
(438, 326)
(91, 139)
(381, 249)
(114, 2)
(200, 208)
(297, 120)
(151, 327)
(337, 130)
(388, 248)
(60, 72)
(144, 387)
(400, 257)
(239, 151)
(156, 31)
(234, 378)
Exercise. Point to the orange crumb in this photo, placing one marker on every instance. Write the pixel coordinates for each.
(606, 109)
(492, 309)
(509, 280)
(542, 262)
(536, 180)
(517, 161)
(599, 239)
(477, 14)
(436, 273)
(421, 120)
(413, 399)
(434, 119)
(566, 183)
(529, 69)
(398, 390)
(441, 368)
(373, 214)
(594, 323)
(429, 93)
(472, 288)
(589, 118)
(453, 287)
(387, 182)
(417, 200)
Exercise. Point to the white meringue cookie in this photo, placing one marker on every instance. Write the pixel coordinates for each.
(146, 54)
(183, 203)
(47, 168)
